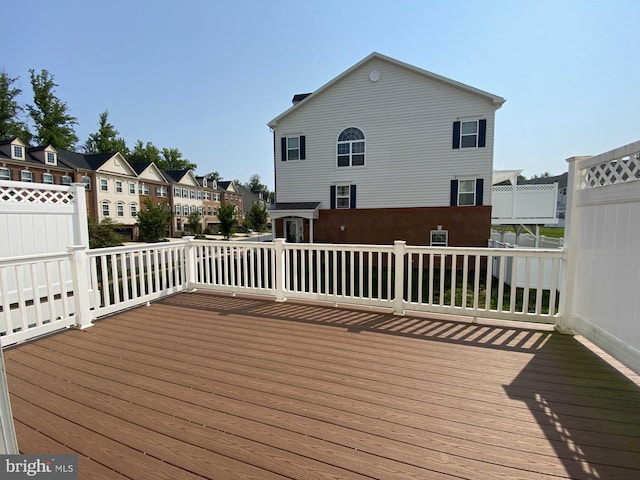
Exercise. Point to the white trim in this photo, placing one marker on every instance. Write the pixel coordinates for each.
(615, 347)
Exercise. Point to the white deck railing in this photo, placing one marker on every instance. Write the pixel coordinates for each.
(524, 204)
(77, 287)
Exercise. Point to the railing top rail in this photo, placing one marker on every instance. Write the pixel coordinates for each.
(485, 251)
(36, 258)
(611, 155)
(95, 252)
(526, 188)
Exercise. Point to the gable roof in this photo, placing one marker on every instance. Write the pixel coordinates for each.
(303, 98)
(81, 161)
(178, 176)
(143, 169)
(225, 184)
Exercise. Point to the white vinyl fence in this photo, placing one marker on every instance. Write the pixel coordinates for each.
(602, 238)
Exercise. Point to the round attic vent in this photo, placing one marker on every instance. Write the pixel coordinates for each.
(374, 76)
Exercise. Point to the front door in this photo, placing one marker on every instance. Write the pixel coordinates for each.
(293, 230)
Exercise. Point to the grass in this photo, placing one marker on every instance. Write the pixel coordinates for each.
(551, 232)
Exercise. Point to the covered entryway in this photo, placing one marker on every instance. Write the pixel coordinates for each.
(292, 216)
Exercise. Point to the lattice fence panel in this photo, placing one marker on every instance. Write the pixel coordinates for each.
(626, 169)
(14, 194)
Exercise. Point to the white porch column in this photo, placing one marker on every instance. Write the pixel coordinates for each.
(311, 230)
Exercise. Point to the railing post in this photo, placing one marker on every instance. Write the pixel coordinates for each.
(399, 251)
(278, 244)
(8, 441)
(190, 263)
(81, 286)
(572, 221)
(80, 227)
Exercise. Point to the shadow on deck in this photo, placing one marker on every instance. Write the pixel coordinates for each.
(212, 386)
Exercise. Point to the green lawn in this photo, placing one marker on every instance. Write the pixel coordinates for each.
(553, 232)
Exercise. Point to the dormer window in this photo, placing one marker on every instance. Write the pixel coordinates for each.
(18, 152)
(51, 158)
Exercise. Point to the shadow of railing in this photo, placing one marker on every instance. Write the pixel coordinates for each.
(587, 410)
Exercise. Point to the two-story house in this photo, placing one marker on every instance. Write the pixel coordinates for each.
(249, 199)
(112, 187)
(385, 151)
(186, 197)
(211, 197)
(32, 164)
(231, 194)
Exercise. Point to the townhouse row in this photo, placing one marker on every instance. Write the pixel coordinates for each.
(118, 189)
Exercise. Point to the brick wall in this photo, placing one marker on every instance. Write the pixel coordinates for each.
(467, 226)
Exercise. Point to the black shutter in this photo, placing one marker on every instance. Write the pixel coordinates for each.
(283, 149)
(352, 199)
(454, 193)
(479, 191)
(456, 134)
(482, 133)
(303, 149)
(333, 197)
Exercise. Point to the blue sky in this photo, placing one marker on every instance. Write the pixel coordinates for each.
(205, 76)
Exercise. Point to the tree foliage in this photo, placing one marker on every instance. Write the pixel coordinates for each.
(214, 176)
(165, 159)
(53, 124)
(257, 218)
(194, 223)
(255, 185)
(10, 111)
(104, 233)
(228, 219)
(142, 153)
(154, 221)
(106, 139)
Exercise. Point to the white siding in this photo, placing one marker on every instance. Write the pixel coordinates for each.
(407, 120)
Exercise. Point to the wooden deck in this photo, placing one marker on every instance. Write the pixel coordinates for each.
(211, 386)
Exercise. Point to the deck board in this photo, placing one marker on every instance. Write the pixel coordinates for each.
(213, 386)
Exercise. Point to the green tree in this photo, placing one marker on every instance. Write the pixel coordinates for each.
(194, 223)
(53, 124)
(228, 219)
(104, 233)
(172, 160)
(255, 185)
(142, 153)
(11, 111)
(257, 218)
(165, 159)
(215, 176)
(154, 221)
(106, 139)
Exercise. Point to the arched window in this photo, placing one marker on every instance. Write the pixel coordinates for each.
(120, 209)
(105, 208)
(351, 147)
